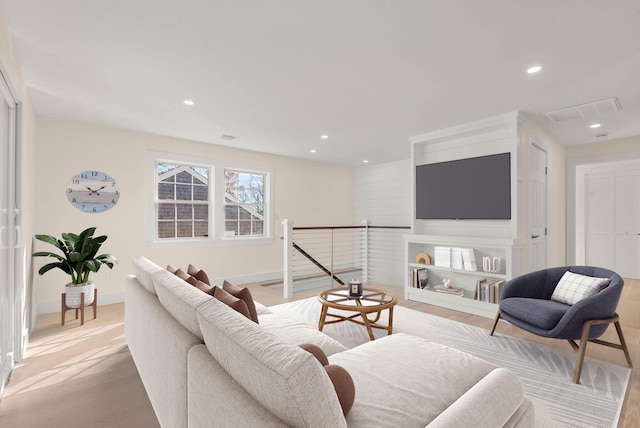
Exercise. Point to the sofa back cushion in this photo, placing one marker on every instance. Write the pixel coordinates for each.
(282, 377)
(144, 270)
(180, 299)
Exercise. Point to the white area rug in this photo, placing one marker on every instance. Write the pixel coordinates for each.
(545, 372)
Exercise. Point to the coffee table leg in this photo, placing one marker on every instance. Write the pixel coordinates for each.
(367, 323)
(390, 329)
(323, 317)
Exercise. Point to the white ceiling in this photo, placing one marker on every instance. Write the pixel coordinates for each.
(368, 73)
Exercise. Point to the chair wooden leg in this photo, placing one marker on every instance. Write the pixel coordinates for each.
(585, 339)
(495, 324)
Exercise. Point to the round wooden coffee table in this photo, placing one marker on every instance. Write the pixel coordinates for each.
(372, 302)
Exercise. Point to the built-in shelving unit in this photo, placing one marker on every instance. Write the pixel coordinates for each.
(491, 238)
(505, 249)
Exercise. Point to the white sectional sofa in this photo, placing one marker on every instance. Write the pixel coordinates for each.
(204, 364)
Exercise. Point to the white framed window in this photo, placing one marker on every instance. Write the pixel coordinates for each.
(244, 203)
(196, 201)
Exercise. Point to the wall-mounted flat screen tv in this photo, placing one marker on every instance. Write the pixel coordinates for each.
(473, 188)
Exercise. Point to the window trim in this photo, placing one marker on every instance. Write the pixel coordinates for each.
(216, 194)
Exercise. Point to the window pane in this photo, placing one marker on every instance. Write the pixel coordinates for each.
(166, 229)
(200, 193)
(184, 211)
(185, 229)
(230, 228)
(183, 177)
(166, 191)
(183, 192)
(201, 212)
(166, 211)
(201, 228)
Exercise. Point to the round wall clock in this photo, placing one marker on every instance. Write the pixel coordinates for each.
(93, 191)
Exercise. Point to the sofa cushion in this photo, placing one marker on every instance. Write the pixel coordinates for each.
(198, 274)
(283, 378)
(144, 269)
(233, 302)
(180, 299)
(541, 313)
(244, 294)
(296, 333)
(403, 380)
(574, 287)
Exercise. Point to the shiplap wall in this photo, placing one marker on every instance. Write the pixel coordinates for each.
(383, 195)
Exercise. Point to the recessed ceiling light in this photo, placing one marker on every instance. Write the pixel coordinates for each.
(312, 150)
(534, 69)
(596, 125)
(324, 137)
(188, 102)
(365, 161)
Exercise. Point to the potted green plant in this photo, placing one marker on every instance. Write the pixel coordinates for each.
(79, 258)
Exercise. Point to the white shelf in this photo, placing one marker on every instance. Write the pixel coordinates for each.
(476, 273)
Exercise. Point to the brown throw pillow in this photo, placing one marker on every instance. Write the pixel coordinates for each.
(205, 287)
(198, 274)
(245, 295)
(343, 384)
(231, 301)
(317, 352)
(186, 277)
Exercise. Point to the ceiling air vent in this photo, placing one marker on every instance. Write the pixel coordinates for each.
(583, 110)
(228, 137)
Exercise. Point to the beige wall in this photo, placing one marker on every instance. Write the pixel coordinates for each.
(310, 193)
(605, 148)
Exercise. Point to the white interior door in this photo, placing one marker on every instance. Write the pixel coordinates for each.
(626, 228)
(538, 208)
(612, 223)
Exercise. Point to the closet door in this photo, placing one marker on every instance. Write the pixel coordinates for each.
(627, 225)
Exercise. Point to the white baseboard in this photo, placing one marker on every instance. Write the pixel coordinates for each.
(51, 306)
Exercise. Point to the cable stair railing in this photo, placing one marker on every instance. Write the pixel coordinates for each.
(322, 256)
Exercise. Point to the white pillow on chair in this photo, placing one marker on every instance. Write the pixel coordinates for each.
(574, 287)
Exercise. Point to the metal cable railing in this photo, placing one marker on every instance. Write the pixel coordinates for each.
(330, 256)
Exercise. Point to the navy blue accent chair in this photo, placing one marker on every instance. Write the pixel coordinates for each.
(526, 302)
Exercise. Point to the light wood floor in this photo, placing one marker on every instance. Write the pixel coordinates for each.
(83, 376)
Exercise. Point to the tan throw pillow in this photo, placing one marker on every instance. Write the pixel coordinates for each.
(172, 269)
(344, 386)
(340, 377)
(574, 287)
(245, 295)
(205, 287)
(198, 274)
(317, 352)
(234, 303)
(186, 277)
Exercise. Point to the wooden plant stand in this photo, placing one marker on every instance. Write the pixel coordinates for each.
(81, 308)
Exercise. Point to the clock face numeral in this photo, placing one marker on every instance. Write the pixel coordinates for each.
(93, 191)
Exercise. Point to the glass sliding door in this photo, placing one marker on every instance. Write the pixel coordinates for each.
(9, 331)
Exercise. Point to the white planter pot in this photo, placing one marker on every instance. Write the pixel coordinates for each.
(73, 292)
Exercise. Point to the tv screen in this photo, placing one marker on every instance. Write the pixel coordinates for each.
(474, 188)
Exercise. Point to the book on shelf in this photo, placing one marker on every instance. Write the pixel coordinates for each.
(420, 278)
(456, 258)
(455, 291)
(469, 259)
(486, 292)
(442, 256)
